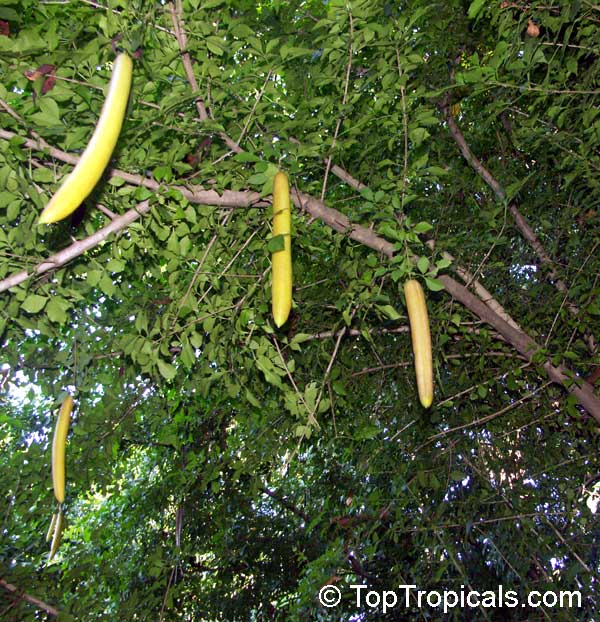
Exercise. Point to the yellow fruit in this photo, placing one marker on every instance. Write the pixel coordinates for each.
(78, 185)
(282, 260)
(56, 538)
(421, 340)
(51, 528)
(58, 448)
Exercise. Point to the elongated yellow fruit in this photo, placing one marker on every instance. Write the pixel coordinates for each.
(421, 340)
(281, 290)
(78, 185)
(56, 538)
(51, 528)
(59, 448)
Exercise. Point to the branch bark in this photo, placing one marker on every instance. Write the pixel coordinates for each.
(286, 504)
(77, 248)
(342, 224)
(20, 595)
(194, 194)
(520, 221)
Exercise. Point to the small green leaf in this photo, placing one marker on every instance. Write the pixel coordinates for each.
(423, 264)
(365, 432)
(475, 8)
(258, 179)
(252, 399)
(167, 371)
(56, 310)
(276, 243)
(246, 156)
(106, 285)
(34, 303)
(389, 312)
(422, 227)
(115, 265)
(435, 285)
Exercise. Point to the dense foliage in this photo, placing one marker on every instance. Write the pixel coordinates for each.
(220, 468)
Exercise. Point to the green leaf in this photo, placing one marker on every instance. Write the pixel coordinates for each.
(423, 264)
(435, 285)
(246, 156)
(365, 432)
(167, 371)
(389, 312)
(475, 8)
(56, 310)
(276, 243)
(115, 265)
(34, 303)
(422, 227)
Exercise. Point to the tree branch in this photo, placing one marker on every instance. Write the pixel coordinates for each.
(341, 223)
(19, 595)
(176, 16)
(176, 11)
(286, 504)
(77, 248)
(520, 221)
(194, 194)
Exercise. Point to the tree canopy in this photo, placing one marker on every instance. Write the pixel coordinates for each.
(220, 468)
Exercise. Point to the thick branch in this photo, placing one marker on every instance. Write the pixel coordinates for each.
(286, 504)
(77, 248)
(18, 594)
(341, 223)
(520, 221)
(194, 194)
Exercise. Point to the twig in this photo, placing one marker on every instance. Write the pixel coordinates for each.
(176, 13)
(286, 504)
(256, 100)
(197, 271)
(405, 125)
(489, 417)
(344, 99)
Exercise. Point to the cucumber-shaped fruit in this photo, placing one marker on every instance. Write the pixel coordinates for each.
(51, 527)
(421, 340)
(58, 448)
(281, 289)
(78, 185)
(56, 538)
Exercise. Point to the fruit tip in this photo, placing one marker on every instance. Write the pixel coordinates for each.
(44, 219)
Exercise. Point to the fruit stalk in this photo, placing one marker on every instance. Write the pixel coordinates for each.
(86, 174)
(282, 260)
(59, 448)
(421, 340)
